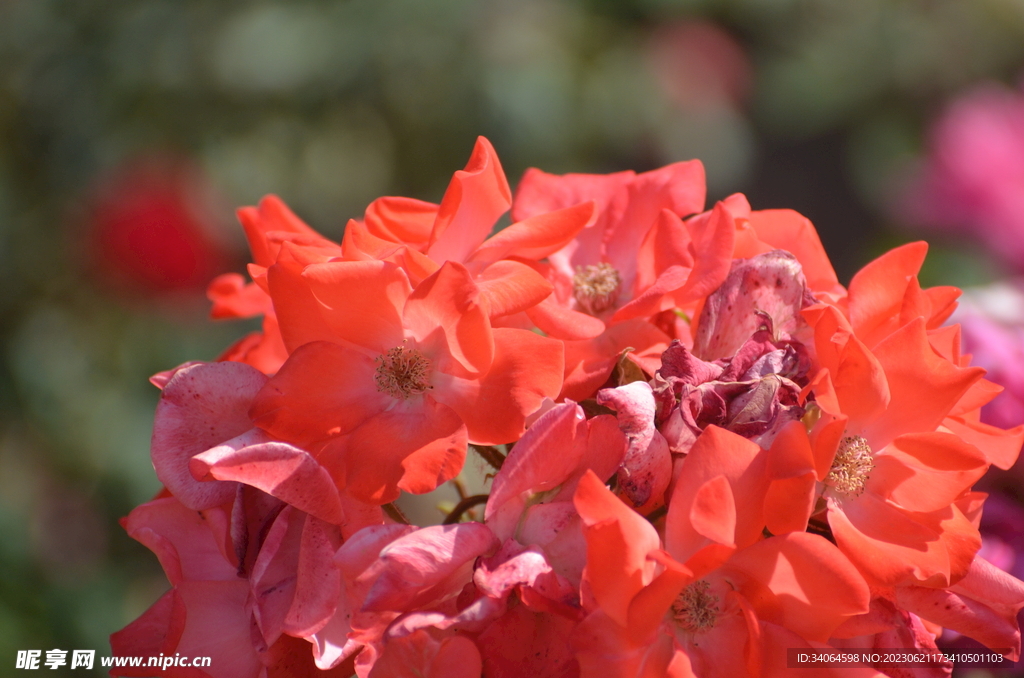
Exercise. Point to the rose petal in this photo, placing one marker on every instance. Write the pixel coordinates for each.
(200, 407)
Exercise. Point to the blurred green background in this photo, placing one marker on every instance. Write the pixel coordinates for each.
(130, 129)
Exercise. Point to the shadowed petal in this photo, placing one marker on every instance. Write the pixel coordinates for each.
(789, 501)
(318, 582)
(233, 298)
(526, 643)
(647, 467)
(279, 469)
(1001, 447)
(539, 192)
(273, 576)
(299, 314)
(983, 605)
(217, 625)
(588, 363)
(418, 567)
(926, 471)
(564, 323)
(181, 539)
(892, 546)
(680, 283)
(419, 654)
(414, 447)
(717, 452)
(813, 587)
(546, 455)
(678, 187)
(603, 648)
(200, 407)
(155, 632)
(857, 378)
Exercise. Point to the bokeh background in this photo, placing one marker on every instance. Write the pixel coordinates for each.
(130, 129)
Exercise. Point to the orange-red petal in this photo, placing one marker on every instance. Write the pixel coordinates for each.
(923, 386)
(876, 292)
(445, 315)
(323, 390)
(398, 219)
(361, 301)
(717, 452)
(538, 236)
(618, 542)
(509, 287)
(526, 369)
(476, 197)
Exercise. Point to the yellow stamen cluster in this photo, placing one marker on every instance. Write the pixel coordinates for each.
(696, 608)
(402, 372)
(851, 468)
(596, 287)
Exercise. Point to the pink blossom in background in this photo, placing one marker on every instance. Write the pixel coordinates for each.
(972, 181)
(992, 322)
(992, 325)
(698, 64)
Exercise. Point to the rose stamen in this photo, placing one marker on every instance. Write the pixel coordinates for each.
(696, 608)
(851, 468)
(402, 372)
(596, 287)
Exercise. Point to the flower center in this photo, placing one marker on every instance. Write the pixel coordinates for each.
(696, 608)
(851, 468)
(596, 287)
(402, 372)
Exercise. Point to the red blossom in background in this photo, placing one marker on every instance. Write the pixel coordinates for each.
(151, 229)
(705, 449)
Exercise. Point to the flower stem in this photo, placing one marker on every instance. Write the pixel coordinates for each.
(463, 506)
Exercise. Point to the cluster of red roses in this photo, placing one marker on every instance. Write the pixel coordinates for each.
(715, 452)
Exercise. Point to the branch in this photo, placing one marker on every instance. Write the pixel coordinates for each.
(396, 513)
(492, 455)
